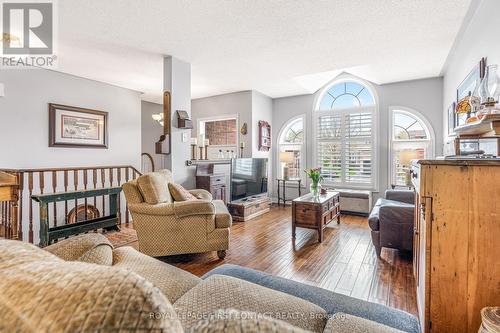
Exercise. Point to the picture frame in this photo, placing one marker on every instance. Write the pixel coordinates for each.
(467, 86)
(74, 127)
(452, 119)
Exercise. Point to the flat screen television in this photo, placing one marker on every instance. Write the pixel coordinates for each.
(248, 177)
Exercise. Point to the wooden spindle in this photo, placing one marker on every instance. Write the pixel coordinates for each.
(30, 211)
(75, 184)
(119, 180)
(20, 210)
(54, 189)
(103, 181)
(127, 175)
(85, 182)
(94, 182)
(66, 201)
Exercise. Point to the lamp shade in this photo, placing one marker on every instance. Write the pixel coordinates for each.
(405, 156)
(286, 157)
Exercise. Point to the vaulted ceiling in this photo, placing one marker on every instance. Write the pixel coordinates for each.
(277, 47)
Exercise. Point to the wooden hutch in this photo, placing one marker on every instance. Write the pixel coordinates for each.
(456, 241)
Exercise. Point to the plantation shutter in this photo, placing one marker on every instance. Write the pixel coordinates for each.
(358, 148)
(330, 147)
(344, 147)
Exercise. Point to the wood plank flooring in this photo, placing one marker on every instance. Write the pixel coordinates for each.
(345, 262)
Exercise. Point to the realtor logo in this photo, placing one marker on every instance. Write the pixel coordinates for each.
(27, 28)
(27, 33)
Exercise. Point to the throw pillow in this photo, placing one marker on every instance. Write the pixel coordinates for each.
(179, 193)
(153, 187)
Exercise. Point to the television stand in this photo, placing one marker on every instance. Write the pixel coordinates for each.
(250, 207)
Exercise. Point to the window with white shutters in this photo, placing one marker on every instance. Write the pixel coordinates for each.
(345, 136)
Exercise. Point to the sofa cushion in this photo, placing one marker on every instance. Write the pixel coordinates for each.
(222, 217)
(154, 187)
(42, 293)
(331, 302)
(224, 292)
(341, 323)
(396, 211)
(92, 248)
(231, 320)
(172, 281)
(179, 193)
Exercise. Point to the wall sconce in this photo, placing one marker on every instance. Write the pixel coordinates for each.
(158, 117)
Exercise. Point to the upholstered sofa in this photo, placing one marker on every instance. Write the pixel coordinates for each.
(167, 227)
(392, 220)
(84, 285)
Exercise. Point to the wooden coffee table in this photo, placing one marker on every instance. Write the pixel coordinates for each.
(315, 212)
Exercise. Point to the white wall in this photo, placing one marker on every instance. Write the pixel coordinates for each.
(24, 120)
(151, 131)
(424, 96)
(479, 38)
(262, 109)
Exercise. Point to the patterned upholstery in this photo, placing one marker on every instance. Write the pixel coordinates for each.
(224, 292)
(132, 192)
(42, 293)
(181, 227)
(222, 217)
(154, 187)
(172, 281)
(341, 322)
(92, 248)
(236, 321)
(179, 193)
(202, 194)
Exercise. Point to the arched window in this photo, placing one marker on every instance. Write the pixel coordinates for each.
(291, 149)
(411, 138)
(345, 135)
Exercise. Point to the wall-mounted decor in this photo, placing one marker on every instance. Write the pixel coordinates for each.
(183, 121)
(467, 95)
(472, 80)
(244, 129)
(264, 135)
(162, 146)
(71, 126)
(452, 119)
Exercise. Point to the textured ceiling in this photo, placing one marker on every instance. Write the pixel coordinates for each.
(279, 48)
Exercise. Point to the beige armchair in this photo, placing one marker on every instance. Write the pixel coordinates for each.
(166, 227)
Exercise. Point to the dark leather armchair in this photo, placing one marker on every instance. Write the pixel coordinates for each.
(392, 220)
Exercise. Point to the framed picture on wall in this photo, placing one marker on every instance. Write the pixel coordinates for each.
(468, 85)
(452, 119)
(71, 126)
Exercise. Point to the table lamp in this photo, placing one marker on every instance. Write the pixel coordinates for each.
(286, 157)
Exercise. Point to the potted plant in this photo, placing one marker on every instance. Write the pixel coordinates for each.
(316, 179)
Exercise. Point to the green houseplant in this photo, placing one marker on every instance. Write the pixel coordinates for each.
(316, 179)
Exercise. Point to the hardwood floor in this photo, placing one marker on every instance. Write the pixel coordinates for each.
(345, 262)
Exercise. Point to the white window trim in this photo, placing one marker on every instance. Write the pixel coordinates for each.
(303, 156)
(199, 121)
(427, 127)
(375, 130)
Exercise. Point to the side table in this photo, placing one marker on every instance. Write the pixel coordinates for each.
(282, 196)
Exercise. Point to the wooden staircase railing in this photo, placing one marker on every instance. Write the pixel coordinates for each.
(19, 219)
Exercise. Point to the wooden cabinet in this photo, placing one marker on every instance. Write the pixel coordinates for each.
(215, 184)
(456, 242)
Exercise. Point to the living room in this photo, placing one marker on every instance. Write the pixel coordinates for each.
(235, 166)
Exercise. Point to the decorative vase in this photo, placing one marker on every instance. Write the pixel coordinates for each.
(315, 189)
